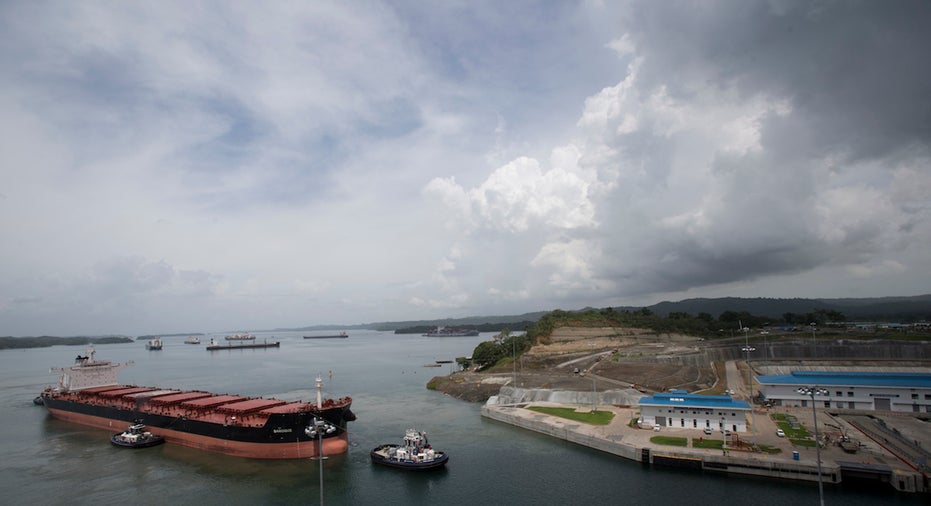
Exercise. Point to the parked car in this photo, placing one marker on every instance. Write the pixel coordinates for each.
(708, 430)
(780, 433)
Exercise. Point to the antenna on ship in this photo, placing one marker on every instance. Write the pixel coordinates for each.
(319, 383)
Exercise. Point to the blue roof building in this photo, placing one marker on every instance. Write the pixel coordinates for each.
(872, 391)
(682, 410)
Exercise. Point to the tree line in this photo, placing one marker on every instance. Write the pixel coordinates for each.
(506, 346)
(8, 343)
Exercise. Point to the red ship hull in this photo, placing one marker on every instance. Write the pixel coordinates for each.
(297, 450)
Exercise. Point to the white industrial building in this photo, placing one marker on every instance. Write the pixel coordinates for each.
(871, 391)
(678, 409)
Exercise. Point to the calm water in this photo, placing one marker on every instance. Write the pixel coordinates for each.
(50, 462)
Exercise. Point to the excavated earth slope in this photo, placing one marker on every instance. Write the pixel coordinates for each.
(617, 357)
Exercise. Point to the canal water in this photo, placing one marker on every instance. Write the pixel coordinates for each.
(47, 461)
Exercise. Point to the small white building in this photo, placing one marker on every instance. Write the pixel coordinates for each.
(678, 409)
(871, 391)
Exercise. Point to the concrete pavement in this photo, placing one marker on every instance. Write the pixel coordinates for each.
(620, 439)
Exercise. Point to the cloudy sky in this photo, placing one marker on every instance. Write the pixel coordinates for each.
(207, 166)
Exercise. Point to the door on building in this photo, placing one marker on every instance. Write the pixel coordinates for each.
(882, 404)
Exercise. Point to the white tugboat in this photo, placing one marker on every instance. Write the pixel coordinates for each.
(136, 437)
(415, 453)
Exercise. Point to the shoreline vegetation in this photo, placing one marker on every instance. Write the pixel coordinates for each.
(16, 343)
(693, 317)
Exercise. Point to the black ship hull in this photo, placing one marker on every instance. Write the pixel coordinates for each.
(282, 436)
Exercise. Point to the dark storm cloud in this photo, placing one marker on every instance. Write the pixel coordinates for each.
(843, 108)
(853, 71)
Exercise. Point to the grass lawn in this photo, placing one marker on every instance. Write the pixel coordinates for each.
(670, 440)
(769, 449)
(715, 444)
(596, 418)
(782, 423)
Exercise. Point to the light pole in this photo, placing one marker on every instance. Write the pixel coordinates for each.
(594, 394)
(514, 360)
(747, 349)
(812, 325)
(320, 428)
(812, 391)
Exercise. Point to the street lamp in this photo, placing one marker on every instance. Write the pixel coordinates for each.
(594, 394)
(812, 325)
(747, 349)
(514, 361)
(317, 430)
(812, 391)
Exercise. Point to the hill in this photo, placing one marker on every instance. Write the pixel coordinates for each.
(900, 309)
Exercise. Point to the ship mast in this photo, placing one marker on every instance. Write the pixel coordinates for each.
(319, 383)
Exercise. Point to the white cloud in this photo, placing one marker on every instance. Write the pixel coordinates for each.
(239, 166)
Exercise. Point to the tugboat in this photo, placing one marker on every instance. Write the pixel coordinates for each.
(136, 437)
(414, 454)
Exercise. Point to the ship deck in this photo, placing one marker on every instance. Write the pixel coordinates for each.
(195, 405)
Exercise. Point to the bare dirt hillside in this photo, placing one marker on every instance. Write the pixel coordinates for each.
(578, 357)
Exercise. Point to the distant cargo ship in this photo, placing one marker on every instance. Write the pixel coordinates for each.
(329, 336)
(88, 393)
(240, 337)
(448, 332)
(214, 345)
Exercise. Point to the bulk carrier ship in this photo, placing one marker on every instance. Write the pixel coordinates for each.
(88, 393)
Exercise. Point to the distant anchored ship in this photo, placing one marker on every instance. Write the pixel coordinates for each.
(329, 336)
(450, 332)
(240, 337)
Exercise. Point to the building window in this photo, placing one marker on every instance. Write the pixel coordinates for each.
(914, 396)
(840, 404)
(849, 394)
(827, 404)
(839, 394)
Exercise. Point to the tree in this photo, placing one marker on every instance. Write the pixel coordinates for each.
(501, 336)
(486, 354)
